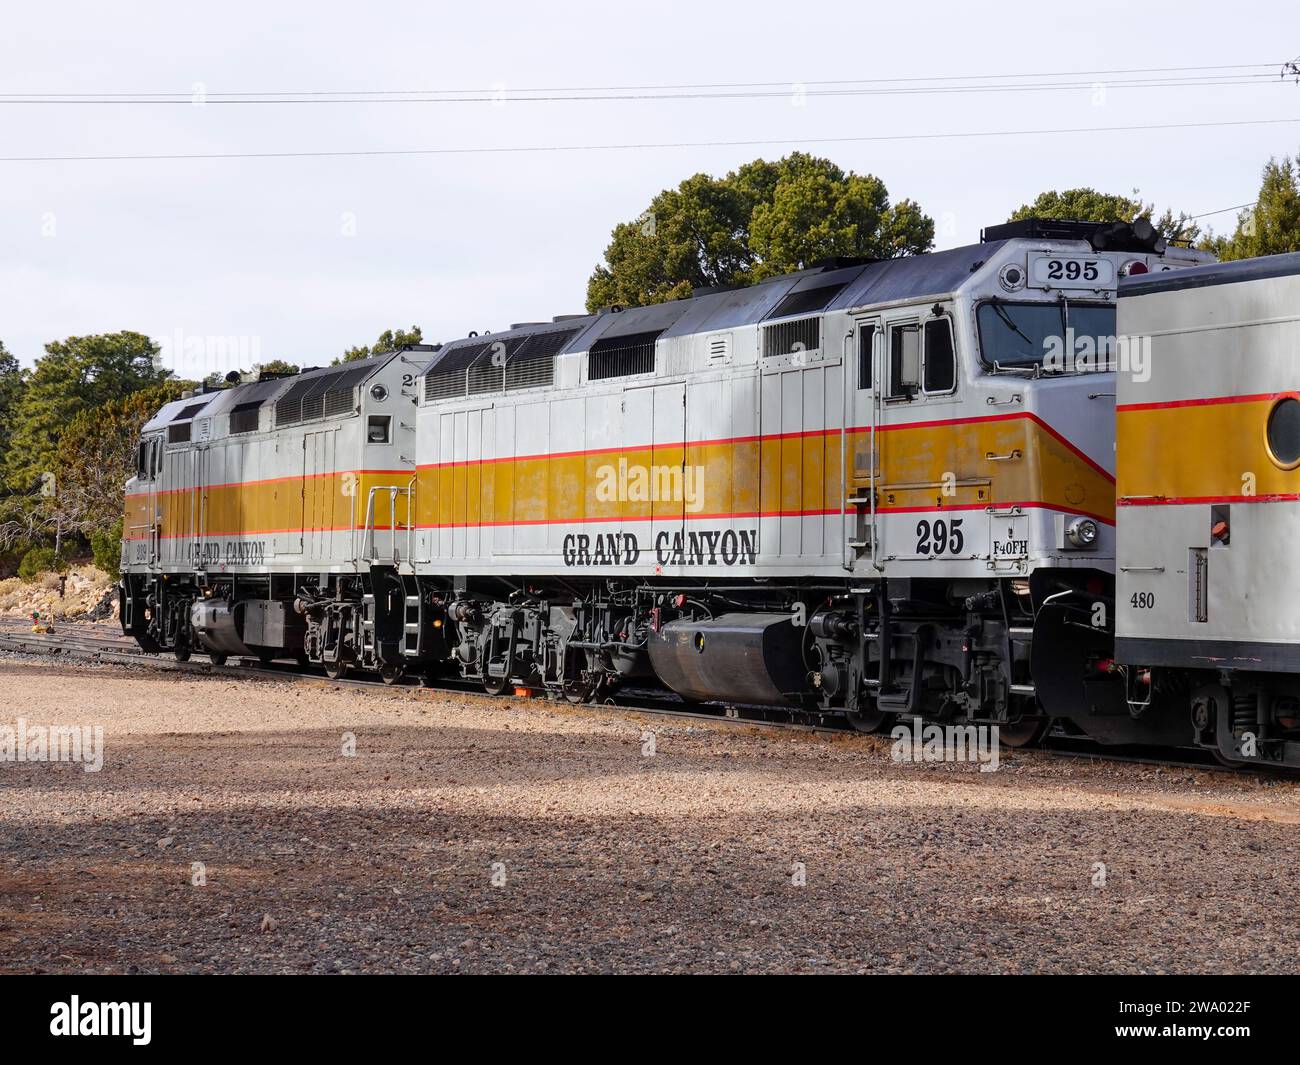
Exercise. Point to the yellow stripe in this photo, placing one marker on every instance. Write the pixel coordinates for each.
(950, 465)
(1205, 451)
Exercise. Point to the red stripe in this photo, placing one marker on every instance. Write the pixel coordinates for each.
(243, 533)
(1182, 501)
(1211, 401)
(735, 515)
(615, 520)
(271, 480)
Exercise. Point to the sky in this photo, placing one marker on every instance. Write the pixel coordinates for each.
(235, 261)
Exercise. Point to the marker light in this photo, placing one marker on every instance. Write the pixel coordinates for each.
(1082, 532)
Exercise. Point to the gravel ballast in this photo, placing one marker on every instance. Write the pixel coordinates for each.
(232, 829)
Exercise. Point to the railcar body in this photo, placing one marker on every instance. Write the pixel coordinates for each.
(264, 519)
(845, 489)
(1209, 498)
(868, 488)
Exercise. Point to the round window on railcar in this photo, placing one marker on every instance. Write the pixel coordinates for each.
(1282, 433)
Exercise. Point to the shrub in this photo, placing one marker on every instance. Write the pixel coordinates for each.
(106, 546)
(37, 561)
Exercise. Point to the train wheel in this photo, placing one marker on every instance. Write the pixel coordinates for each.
(216, 659)
(869, 717)
(1026, 732)
(578, 691)
(871, 721)
(495, 685)
(336, 670)
(182, 653)
(265, 657)
(391, 674)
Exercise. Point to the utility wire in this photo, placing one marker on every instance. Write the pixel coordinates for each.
(504, 96)
(1224, 210)
(691, 86)
(573, 148)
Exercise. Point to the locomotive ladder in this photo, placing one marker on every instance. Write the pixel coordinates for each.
(411, 607)
(852, 484)
(369, 534)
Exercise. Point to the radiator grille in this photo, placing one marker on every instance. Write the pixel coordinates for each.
(784, 338)
(622, 356)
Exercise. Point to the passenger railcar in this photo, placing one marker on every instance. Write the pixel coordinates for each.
(1208, 633)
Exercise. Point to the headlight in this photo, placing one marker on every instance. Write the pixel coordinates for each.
(1082, 532)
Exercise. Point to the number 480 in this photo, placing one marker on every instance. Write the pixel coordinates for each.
(940, 537)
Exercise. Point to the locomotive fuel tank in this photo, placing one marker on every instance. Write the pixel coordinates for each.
(736, 658)
(217, 625)
(246, 626)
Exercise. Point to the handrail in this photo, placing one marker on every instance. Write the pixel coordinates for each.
(877, 346)
(370, 529)
(846, 552)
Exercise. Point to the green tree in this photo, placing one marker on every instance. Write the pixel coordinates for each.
(1089, 205)
(96, 455)
(390, 340)
(73, 376)
(1272, 225)
(276, 366)
(12, 382)
(763, 219)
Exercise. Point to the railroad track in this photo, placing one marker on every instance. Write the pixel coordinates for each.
(72, 640)
(66, 641)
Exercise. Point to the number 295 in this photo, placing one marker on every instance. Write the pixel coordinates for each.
(939, 537)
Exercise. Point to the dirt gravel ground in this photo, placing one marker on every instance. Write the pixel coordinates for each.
(228, 831)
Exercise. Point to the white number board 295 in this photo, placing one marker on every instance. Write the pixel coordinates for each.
(1066, 271)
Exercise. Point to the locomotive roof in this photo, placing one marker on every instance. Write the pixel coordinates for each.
(811, 291)
(322, 378)
(1228, 273)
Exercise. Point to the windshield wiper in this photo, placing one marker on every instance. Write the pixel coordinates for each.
(1001, 312)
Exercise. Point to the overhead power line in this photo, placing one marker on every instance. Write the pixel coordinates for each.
(1224, 210)
(504, 95)
(1203, 70)
(569, 148)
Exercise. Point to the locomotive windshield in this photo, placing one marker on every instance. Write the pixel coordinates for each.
(1058, 337)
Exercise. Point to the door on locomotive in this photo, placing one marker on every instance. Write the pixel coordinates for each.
(862, 418)
(657, 414)
(920, 472)
(141, 539)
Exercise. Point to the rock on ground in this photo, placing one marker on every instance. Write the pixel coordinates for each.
(264, 826)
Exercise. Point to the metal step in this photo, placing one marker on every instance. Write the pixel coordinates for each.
(894, 701)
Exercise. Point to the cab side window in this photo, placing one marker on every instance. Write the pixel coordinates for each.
(904, 360)
(148, 459)
(866, 335)
(940, 361)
